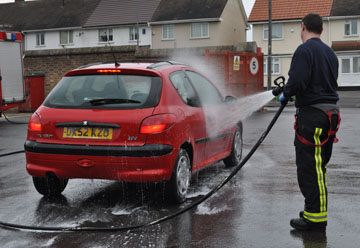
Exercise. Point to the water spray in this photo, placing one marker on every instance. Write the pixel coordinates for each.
(279, 82)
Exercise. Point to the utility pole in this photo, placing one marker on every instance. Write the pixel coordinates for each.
(269, 58)
(137, 24)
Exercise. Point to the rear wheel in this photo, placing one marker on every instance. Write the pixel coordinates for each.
(50, 186)
(179, 183)
(234, 158)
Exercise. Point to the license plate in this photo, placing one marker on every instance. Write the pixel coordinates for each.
(88, 132)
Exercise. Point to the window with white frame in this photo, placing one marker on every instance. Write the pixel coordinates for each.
(356, 64)
(351, 27)
(275, 66)
(199, 30)
(40, 39)
(133, 35)
(277, 31)
(105, 34)
(350, 65)
(66, 37)
(168, 32)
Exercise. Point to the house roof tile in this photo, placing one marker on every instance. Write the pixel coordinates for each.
(345, 8)
(172, 10)
(50, 14)
(45, 14)
(288, 9)
(120, 12)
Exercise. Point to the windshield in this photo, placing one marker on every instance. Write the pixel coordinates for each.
(109, 91)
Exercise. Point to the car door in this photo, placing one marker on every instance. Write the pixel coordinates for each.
(195, 119)
(216, 116)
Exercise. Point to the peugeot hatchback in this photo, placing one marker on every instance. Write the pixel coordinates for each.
(133, 122)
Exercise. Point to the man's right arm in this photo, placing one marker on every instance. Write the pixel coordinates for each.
(299, 73)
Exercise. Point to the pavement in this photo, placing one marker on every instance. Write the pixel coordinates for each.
(349, 99)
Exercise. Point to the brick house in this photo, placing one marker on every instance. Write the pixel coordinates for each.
(341, 32)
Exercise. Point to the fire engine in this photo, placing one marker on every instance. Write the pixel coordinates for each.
(11, 71)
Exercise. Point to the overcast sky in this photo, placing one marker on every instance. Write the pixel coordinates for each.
(248, 4)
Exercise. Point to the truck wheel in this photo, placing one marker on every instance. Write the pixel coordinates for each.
(179, 183)
(50, 186)
(234, 158)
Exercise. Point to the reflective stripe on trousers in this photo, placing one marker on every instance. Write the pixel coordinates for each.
(321, 178)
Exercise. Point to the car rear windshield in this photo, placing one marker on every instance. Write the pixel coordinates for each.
(105, 92)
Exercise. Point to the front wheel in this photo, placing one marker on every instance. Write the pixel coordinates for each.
(179, 183)
(50, 186)
(234, 158)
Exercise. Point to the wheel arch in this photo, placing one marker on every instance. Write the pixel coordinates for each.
(189, 149)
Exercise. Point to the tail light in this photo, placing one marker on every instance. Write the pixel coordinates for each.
(34, 126)
(157, 123)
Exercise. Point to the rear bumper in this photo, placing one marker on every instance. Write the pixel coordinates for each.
(149, 150)
(149, 163)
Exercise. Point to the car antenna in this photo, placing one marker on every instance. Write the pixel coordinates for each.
(113, 54)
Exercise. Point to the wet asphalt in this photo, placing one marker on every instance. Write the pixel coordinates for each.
(252, 210)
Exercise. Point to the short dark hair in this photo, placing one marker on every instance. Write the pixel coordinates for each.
(313, 23)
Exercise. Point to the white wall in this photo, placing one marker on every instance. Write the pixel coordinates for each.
(87, 38)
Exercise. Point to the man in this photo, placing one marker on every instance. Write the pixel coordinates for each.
(313, 80)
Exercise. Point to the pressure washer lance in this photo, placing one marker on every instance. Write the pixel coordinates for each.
(173, 215)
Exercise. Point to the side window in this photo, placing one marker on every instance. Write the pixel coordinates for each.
(184, 88)
(208, 94)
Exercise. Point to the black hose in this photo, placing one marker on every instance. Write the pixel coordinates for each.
(165, 218)
(11, 153)
(7, 119)
(13, 122)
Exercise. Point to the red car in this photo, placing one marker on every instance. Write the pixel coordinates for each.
(135, 122)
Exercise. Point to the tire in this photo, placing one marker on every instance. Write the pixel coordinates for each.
(179, 183)
(234, 158)
(50, 186)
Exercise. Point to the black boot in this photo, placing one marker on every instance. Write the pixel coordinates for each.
(304, 224)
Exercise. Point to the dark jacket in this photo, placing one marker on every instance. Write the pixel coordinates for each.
(313, 74)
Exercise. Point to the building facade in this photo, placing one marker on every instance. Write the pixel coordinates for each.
(341, 20)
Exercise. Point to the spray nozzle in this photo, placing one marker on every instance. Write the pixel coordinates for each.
(280, 85)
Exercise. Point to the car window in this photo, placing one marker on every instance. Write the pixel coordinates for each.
(184, 88)
(208, 94)
(78, 91)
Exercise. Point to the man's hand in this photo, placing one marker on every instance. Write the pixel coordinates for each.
(283, 99)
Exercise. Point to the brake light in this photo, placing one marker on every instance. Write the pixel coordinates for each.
(34, 123)
(109, 71)
(157, 123)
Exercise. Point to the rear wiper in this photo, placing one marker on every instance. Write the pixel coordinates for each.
(104, 101)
